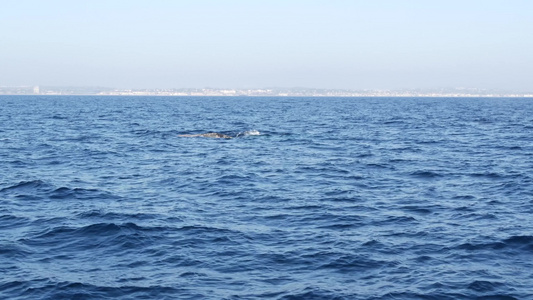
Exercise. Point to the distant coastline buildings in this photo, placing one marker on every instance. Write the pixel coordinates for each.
(266, 92)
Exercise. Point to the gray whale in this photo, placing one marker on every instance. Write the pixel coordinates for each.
(209, 135)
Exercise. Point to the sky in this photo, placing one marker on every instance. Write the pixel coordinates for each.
(329, 44)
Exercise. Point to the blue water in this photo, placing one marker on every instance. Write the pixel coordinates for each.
(336, 198)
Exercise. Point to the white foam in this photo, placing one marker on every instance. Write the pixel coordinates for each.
(249, 132)
(252, 132)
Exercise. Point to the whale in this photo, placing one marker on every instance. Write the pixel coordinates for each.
(218, 135)
(209, 135)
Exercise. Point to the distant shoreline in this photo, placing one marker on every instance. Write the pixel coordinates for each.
(281, 96)
(267, 92)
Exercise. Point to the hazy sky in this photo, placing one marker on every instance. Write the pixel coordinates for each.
(357, 44)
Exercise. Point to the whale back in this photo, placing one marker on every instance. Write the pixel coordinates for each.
(216, 135)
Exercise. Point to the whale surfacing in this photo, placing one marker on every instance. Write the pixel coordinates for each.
(209, 135)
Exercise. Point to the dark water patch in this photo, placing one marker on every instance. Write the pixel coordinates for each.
(340, 194)
(423, 259)
(348, 199)
(394, 122)
(349, 264)
(40, 190)
(373, 244)
(426, 174)
(14, 252)
(400, 160)
(27, 190)
(484, 286)
(421, 296)
(11, 221)
(122, 216)
(78, 138)
(498, 297)
(488, 175)
(417, 209)
(523, 242)
(200, 229)
(109, 236)
(305, 207)
(59, 117)
(464, 197)
(313, 294)
(396, 220)
(482, 246)
(432, 141)
(77, 290)
(380, 166)
(80, 194)
(231, 179)
(518, 148)
(515, 243)
(471, 215)
(364, 155)
(344, 223)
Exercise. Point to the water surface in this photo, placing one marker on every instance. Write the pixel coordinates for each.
(336, 198)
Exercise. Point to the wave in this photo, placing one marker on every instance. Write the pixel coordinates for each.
(110, 238)
(10, 221)
(312, 294)
(38, 189)
(80, 193)
(101, 214)
(50, 289)
(26, 185)
(28, 190)
(516, 243)
(484, 286)
(352, 263)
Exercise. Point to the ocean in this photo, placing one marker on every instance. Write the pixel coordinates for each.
(311, 198)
